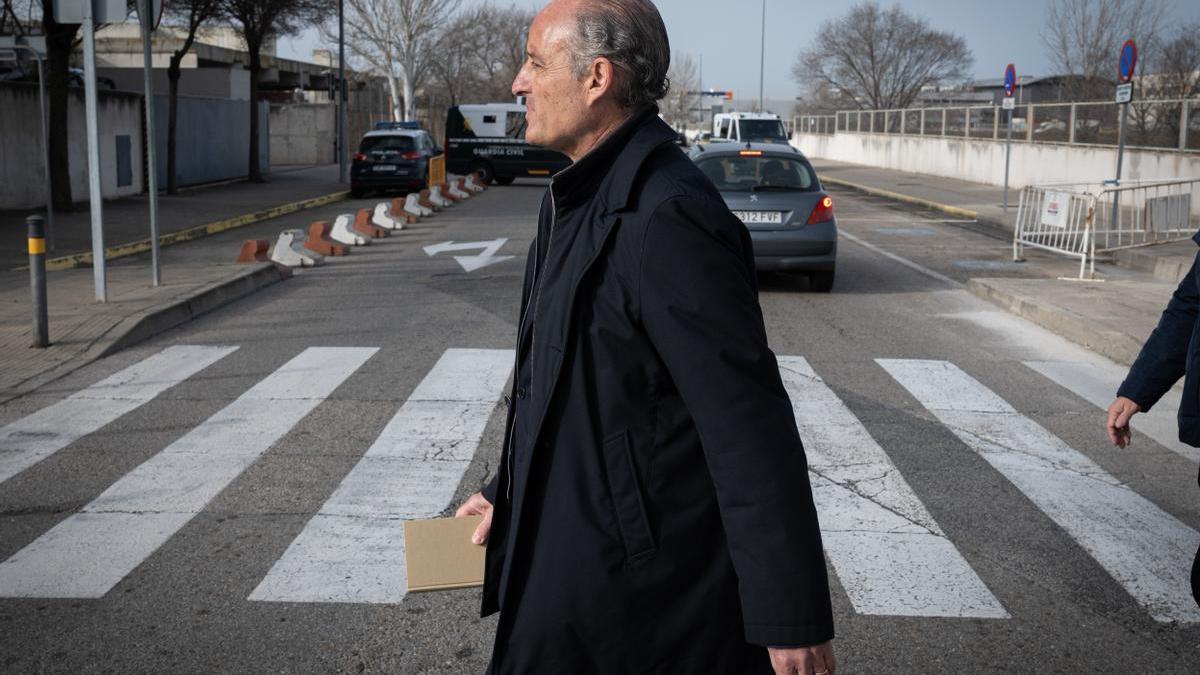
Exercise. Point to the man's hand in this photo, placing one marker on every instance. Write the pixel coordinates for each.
(476, 505)
(815, 660)
(1117, 426)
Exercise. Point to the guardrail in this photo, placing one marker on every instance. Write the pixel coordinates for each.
(1081, 220)
(1162, 124)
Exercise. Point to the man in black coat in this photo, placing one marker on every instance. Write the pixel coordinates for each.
(1171, 352)
(652, 511)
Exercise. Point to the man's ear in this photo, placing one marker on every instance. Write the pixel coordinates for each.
(599, 79)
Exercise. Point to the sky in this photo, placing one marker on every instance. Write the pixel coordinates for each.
(726, 35)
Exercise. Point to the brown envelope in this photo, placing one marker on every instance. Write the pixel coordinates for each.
(440, 555)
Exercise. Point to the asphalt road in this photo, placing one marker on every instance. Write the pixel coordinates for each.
(242, 517)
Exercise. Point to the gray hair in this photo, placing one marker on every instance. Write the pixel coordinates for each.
(631, 34)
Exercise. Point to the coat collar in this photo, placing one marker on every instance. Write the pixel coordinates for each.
(608, 171)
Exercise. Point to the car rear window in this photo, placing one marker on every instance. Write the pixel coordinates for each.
(742, 174)
(385, 144)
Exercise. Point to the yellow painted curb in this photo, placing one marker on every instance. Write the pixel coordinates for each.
(908, 199)
(134, 248)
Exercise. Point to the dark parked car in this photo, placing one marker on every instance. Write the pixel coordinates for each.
(774, 190)
(395, 159)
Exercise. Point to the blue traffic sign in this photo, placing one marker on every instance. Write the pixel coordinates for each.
(1128, 60)
(1010, 79)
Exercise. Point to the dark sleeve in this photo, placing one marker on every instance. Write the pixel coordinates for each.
(489, 490)
(699, 305)
(1163, 359)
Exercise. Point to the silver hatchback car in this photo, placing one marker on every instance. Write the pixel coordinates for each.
(774, 190)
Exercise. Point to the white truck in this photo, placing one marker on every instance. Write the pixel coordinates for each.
(745, 127)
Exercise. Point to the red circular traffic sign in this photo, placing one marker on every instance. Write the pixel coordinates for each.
(1128, 61)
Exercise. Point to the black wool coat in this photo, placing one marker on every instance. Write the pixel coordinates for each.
(657, 517)
(1171, 352)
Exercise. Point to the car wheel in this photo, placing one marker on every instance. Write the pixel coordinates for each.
(822, 282)
(357, 192)
(485, 172)
(505, 180)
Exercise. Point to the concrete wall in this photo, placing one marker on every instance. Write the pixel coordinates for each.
(22, 179)
(302, 133)
(982, 161)
(212, 139)
(227, 83)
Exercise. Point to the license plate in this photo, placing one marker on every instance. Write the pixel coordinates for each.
(757, 217)
(384, 167)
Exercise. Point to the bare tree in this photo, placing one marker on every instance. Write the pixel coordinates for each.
(395, 38)
(261, 19)
(191, 14)
(684, 76)
(479, 54)
(1083, 36)
(881, 58)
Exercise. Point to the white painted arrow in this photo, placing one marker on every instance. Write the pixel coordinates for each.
(470, 263)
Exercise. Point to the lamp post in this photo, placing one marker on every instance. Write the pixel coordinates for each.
(341, 94)
(762, 55)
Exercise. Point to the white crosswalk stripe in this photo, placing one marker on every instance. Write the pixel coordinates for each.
(889, 553)
(1097, 383)
(1146, 550)
(35, 437)
(891, 556)
(353, 549)
(90, 552)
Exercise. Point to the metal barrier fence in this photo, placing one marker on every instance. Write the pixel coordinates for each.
(1081, 219)
(1172, 124)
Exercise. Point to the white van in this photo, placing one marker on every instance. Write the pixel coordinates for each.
(745, 127)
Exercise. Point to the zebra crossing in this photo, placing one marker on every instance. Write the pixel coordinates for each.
(888, 552)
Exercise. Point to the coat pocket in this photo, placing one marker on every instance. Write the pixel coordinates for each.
(626, 492)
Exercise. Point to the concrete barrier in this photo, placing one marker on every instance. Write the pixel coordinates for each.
(289, 250)
(343, 234)
(254, 250)
(382, 217)
(437, 198)
(456, 190)
(400, 214)
(424, 199)
(412, 206)
(472, 186)
(319, 242)
(362, 225)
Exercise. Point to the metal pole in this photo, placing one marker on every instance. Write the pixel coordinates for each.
(341, 109)
(762, 56)
(96, 199)
(46, 153)
(1120, 156)
(145, 14)
(37, 280)
(1007, 155)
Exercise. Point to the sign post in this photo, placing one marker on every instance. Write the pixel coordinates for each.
(1010, 83)
(95, 198)
(149, 12)
(1125, 69)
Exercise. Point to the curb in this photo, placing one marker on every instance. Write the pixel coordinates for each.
(1117, 346)
(1168, 268)
(197, 232)
(917, 201)
(135, 329)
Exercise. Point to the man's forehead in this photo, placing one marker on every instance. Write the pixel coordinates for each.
(551, 25)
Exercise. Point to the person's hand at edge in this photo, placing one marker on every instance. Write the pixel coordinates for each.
(1117, 426)
(477, 505)
(814, 660)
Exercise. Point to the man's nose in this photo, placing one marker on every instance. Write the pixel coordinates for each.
(520, 86)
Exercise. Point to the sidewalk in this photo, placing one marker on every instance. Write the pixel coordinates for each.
(81, 329)
(1112, 317)
(127, 220)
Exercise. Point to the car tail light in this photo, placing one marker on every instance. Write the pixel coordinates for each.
(360, 157)
(822, 212)
(411, 154)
